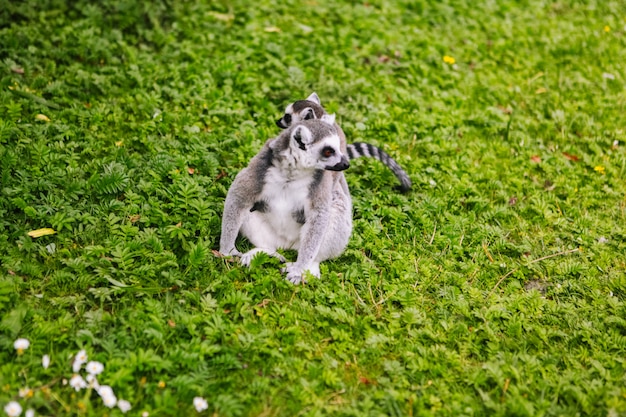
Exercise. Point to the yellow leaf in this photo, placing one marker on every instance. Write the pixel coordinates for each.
(42, 117)
(540, 90)
(41, 232)
(272, 29)
(224, 17)
(119, 143)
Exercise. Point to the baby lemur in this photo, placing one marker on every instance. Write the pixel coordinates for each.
(311, 108)
(293, 195)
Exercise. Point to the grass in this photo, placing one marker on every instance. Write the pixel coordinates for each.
(496, 287)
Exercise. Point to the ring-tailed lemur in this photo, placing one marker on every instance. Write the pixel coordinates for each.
(292, 195)
(311, 108)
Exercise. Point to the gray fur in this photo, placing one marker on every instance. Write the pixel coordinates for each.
(311, 108)
(292, 195)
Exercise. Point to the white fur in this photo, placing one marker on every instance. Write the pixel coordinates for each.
(314, 98)
(277, 228)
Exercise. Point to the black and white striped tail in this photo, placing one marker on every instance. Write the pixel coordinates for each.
(359, 149)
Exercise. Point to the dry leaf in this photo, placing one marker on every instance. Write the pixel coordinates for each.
(18, 70)
(571, 157)
(224, 17)
(42, 117)
(134, 218)
(505, 110)
(191, 171)
(171, 323)
(366, 381)
(535, 158)
(41, 232)
(264, 303)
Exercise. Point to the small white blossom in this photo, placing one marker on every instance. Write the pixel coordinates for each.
(30, 413)
(92, 381)
(45, 361)
(109, 401)
(21, 345)
(124, 405)
(13, 408)
(200, 404)
(94, 368)
(602, 239)
(77, 382)
(25, 392)
(105, 391)
(79, 360)
(145, 414)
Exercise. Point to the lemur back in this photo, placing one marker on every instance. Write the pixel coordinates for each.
(311, 108)
(292, 195)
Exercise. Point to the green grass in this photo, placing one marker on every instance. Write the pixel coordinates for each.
(497, 287)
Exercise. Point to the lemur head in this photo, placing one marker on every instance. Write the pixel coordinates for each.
(312, 144)
(307, 109)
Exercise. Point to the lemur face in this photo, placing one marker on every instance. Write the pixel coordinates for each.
(319, 150)
(300, 110)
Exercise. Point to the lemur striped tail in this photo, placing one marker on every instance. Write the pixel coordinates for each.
(359, 149)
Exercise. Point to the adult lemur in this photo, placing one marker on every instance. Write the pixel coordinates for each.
(311, 108)
(293, 195)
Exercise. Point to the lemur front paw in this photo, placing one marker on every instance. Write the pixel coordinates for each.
(296, 273)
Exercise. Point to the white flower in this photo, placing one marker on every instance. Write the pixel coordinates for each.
(77, 382)
(92, 381)
(13, 408)
(109, 401)
(105, 391)
(79, 360)
(30, 413)
(25, 392)
(123, 405)
(45, 361)
(200, 404)
(21, 345)
(145, 414)
(94, 368)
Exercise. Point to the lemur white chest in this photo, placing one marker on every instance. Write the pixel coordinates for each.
(283, 201)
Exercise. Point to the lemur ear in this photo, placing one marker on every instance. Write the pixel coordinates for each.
(309, 114)
(302, 136)
(314, 98)
(329, 118)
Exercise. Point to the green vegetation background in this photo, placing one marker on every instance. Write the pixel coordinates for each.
(496, 287)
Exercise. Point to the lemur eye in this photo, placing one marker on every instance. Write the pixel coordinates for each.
(309, 115)
(328, 152)
(287, 118)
